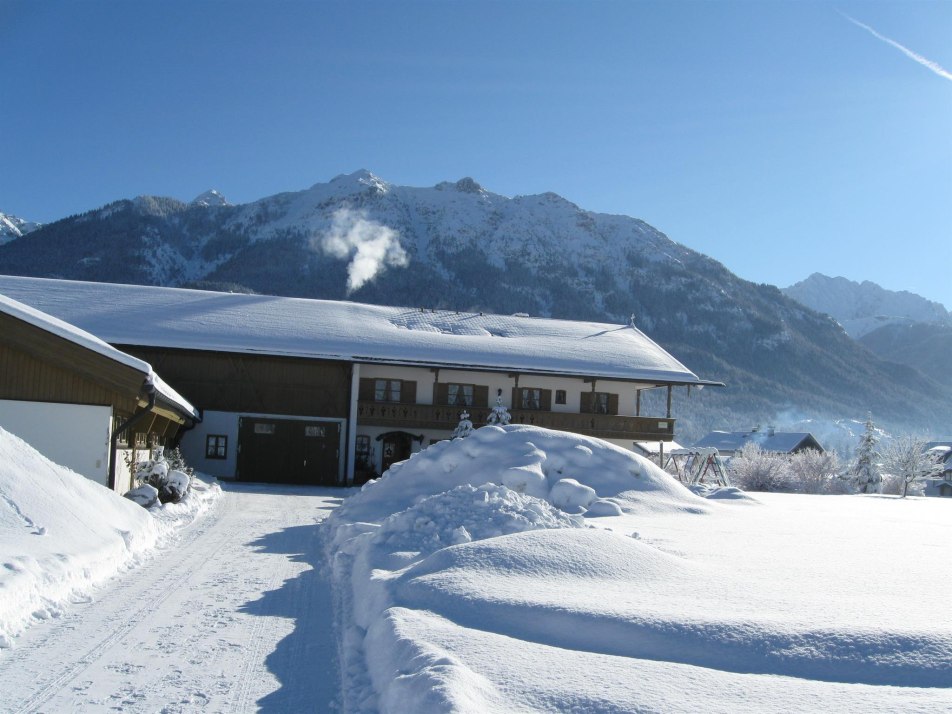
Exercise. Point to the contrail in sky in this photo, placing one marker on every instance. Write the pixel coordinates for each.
(928, 64)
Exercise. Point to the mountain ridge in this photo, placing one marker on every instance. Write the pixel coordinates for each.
(459, 246)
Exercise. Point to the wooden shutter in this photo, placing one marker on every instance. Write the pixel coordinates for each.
(441, 393)
(366, 392)
(613, 404)
(545, 400)
(585, 404)
(480, 395)
(516, 402)
(408, 393)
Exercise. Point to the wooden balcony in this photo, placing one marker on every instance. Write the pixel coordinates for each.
(604, 426)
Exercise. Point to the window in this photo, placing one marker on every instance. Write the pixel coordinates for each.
(216, 446)
(530, 398)
(599, 403)
(459, 395)
(387, 390)
(560, 396)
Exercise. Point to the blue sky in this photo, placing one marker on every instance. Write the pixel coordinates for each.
(778, 137)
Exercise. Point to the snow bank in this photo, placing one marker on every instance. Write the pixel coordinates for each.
(61, 534)
(521, 569)
(527, 460)
(499, 483)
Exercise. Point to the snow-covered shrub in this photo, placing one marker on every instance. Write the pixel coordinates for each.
(755, 470)
(812, 471)
(905, 463)
(171, 483)
(145, 495)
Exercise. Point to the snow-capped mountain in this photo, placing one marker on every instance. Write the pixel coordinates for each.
(897, 326)
(210, 198)
(12, 227)
(864, 307)
(457, 245)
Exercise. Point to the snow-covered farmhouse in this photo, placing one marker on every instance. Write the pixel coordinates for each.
(79, 401)
(729, 443)
(325, 392)
(941, 483)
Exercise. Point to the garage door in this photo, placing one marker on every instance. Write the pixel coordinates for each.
(294, 451)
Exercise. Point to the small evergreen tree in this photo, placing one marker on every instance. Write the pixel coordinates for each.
(865, 470)
(499, 416)
(465, 426)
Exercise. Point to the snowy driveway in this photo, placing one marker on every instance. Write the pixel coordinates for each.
(234, 617)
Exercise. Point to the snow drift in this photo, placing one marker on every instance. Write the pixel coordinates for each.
(504, 572)
(62, 534)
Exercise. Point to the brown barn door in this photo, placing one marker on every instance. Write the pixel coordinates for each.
(321, 453)
(288, 451)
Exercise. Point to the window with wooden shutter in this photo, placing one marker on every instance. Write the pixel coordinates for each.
(480, 395)
(389, 391)
(533, 399)
(598, 403)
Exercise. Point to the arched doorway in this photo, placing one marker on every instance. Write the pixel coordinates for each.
(396, 446)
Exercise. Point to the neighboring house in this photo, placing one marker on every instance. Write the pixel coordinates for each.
(326, 392)
(79, 401)
(729, 443)
(941, 485)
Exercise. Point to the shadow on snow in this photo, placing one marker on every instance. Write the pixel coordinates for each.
(304, 662)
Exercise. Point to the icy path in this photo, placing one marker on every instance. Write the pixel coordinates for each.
(234, 617)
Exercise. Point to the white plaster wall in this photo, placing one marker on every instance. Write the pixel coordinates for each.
(72, 435)
(192, 445)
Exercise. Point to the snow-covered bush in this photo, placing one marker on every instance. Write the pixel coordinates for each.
(171, 483)
(812, 471)
(755, 470)
(905, 463)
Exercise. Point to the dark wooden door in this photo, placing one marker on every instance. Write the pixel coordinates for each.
(396, 447)
(288, 451)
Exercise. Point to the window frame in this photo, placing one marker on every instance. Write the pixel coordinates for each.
(539, 402)
(216, 446)
(388, 390)
(461, 387)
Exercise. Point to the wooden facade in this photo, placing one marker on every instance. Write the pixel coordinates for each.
(36, 365)
(253, 383)
(40, 367)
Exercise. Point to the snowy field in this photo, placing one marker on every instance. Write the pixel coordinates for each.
(515, 570)
(618, 590)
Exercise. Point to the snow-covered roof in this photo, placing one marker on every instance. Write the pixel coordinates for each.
(654, 447)
(324, 329)
(778, 441)
(81, 337)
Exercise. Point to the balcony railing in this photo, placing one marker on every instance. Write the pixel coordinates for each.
(603, 426)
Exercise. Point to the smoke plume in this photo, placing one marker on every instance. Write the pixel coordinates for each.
(371, 247)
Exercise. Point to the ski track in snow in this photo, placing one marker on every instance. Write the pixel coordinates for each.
(233, 616)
